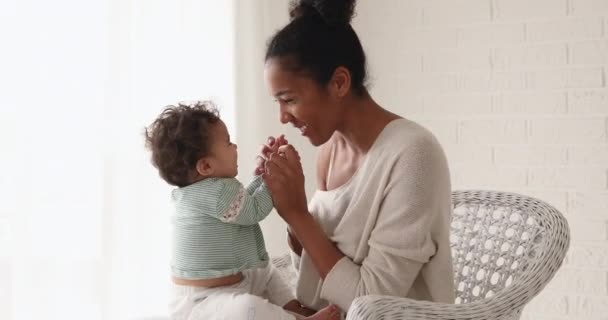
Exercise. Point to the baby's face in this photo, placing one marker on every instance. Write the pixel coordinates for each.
(223, 152)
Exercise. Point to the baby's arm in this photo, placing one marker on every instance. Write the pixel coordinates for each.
(254, 184)
(237, 205)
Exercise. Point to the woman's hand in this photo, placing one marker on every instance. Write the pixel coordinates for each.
(295, 306)
(284, 178)
(272, 146)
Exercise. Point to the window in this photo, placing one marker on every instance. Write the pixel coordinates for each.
(84, 217)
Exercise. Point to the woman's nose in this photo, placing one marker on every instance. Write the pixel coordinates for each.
(285, 117)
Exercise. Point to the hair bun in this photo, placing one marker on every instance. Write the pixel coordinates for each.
(333, 12)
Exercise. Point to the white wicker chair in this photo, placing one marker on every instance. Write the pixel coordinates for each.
(505, 247)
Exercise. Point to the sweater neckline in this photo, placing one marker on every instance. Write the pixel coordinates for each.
(365, 160)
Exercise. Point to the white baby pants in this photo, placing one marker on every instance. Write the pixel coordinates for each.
(261, 295)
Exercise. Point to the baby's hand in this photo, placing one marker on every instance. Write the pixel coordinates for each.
(272, 146)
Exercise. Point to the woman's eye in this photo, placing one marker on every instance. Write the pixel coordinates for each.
(284, 100)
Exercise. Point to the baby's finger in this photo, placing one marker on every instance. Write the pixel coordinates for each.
(281, 140)
(258, 171)
(259, 166)
(259, 160)
(270, 140)
(265, 150)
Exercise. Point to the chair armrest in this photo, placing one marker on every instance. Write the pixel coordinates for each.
(374, 307)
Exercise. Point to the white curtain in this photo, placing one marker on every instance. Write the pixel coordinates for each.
(84, 218)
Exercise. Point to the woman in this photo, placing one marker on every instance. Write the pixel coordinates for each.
(379, 221)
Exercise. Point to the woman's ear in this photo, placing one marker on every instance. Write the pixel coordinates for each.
(205, 167)
(340, 82)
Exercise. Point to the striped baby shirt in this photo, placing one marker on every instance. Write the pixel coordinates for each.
(216, 228)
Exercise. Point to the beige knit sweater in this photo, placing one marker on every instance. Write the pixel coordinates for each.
(391, 220)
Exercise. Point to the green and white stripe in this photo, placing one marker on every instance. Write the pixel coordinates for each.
(216, 228)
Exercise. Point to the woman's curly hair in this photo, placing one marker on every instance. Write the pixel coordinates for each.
(179, 137)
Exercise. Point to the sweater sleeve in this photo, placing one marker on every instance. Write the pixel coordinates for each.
(400, 242)
(254, 184)
(237, 205)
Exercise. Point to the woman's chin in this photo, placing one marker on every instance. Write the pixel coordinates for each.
(315, 143)
(316, 140)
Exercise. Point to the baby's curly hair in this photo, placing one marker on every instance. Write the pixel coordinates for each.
(179, 137)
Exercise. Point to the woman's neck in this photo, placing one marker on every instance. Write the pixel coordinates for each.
(363, 121)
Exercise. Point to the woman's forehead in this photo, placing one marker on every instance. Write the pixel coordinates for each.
(275, 74)
(281, 80)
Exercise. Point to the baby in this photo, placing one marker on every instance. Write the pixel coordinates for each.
(220, 267)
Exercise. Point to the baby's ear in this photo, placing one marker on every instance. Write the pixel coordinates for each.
(204, 167)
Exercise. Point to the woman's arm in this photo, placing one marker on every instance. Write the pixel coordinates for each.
(270, 147)
(318, 246)
(294, 243)
(285, 180)
(323, 158)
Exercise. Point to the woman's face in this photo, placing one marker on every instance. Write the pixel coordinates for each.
(302, 102)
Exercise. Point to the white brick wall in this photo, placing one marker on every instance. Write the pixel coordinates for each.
(571, 29)
(524, 10)
(516, 91)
